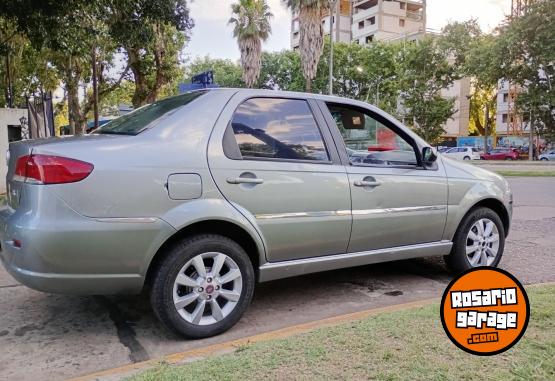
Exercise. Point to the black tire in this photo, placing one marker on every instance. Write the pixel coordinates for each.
(161, 295)
(457, 260)
(544, 159)
(466, 158)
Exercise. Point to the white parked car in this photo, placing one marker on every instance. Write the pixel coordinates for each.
(463, 153)
(548, 156)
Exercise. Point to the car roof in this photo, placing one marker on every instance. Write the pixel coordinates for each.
(268, 92)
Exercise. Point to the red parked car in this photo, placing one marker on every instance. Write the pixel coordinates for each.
(500, 154)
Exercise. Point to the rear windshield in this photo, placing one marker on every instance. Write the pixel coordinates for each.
(142, 118)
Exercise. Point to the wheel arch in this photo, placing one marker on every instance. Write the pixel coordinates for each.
(491, 203)
(498, 207)
(221, 227)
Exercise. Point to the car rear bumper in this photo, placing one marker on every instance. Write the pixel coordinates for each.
(64, 252)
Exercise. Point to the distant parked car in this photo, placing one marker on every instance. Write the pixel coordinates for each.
(463, 153)
(500, 154)
(549, 155)
(443, 149)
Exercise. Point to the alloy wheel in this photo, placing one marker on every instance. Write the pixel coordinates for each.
(207, 288)
(482, 243)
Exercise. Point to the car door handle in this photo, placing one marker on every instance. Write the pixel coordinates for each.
(362, 183)
(244, 180)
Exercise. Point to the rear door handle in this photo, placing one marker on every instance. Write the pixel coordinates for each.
(367, 183)
(244, 180)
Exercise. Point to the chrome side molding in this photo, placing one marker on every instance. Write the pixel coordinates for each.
(356, 212)
(128, 220)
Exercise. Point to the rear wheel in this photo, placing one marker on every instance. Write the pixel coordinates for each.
(203, 286)
(466, 158)
(543, 159)
(479, 241)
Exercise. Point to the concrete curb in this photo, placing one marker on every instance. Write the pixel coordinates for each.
(230, 346)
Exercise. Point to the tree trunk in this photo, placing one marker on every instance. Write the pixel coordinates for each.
(77, 121)
(311, 43)
(141, 92)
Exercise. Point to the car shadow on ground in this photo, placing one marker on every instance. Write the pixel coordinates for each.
(288, 294)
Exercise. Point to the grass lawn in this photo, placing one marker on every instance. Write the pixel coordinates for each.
(404, 345)
(527, 173)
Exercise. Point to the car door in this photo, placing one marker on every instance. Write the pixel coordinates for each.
(498, 155)
(271, 158)
(395, 202)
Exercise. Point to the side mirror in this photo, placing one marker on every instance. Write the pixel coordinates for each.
(428, 156)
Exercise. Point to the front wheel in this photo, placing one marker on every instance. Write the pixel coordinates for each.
(203, 286)
(466, 158)
(543, 159)
(479, 241)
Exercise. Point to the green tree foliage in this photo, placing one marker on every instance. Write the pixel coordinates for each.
(28, 67)
(152, 35)
(281, 71)
(226, 72)
(528, 49)
(424, 71)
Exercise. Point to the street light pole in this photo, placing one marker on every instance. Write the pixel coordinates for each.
(333, 4)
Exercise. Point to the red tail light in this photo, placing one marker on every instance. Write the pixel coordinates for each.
(46, 169)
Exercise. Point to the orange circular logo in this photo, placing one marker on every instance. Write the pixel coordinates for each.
(485, 311)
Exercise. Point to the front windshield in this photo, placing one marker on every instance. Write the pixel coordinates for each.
(143, 117)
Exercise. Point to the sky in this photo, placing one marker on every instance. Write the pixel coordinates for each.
(214, 37)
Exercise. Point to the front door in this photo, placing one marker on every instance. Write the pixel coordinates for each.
(271, 159)
(395, 202)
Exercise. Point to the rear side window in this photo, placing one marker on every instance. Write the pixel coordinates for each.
(275, 128)
(142, 118)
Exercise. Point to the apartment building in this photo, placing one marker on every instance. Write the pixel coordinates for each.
(382, 20)
(509, 123)
(364, 21)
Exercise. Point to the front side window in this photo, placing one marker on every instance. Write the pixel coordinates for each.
(275, 128)
(370, 142)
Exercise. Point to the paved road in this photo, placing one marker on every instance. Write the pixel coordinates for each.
(51, 336)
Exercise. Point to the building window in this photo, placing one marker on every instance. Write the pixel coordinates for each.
(505, 98)
(369, 39)
(504, 118)
(402, 5)
(372, 20)
(361, 25)
(402, 23)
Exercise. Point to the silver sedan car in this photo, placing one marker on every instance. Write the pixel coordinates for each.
(200, 196)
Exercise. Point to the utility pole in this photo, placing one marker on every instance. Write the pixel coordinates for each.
(333, 6)
(486, 126)
(9, 89)
(531, 144)
(95, 88)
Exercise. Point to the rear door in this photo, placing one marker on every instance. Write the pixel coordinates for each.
(395, 202)
(274, 159)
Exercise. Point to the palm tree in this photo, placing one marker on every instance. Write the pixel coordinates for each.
(311, 43)
(252, 26)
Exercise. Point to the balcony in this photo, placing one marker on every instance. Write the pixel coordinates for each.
(364, 9)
